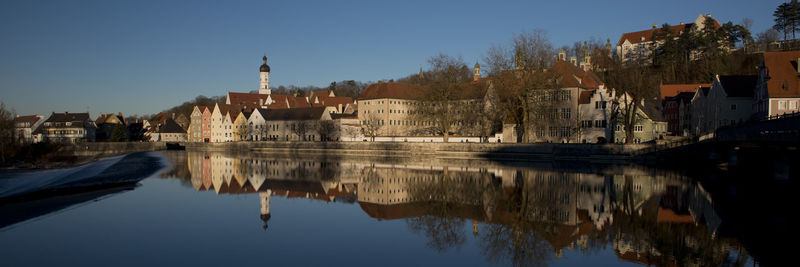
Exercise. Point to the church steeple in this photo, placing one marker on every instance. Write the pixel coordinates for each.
(421, 75)
(263, 87)
(477, 71)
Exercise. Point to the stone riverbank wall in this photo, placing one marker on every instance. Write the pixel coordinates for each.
(525, 152)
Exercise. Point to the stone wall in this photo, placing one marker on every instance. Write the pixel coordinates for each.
(438, 150)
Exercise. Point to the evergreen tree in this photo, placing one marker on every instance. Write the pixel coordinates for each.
(118, 134)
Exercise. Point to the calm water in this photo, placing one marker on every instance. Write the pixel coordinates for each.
(222, 209)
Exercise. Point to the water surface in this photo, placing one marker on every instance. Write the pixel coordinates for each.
(214, 208)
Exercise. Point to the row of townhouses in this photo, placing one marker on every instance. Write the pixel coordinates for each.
(731, 100)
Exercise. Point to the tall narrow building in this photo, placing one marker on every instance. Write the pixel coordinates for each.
(263, 88)
(477, 74)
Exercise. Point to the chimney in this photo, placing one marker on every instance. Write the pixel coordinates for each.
(682, 23)
(797, 63)
(708, 15)
(173, 115)
(655, 26)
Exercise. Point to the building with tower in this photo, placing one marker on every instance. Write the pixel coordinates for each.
(263, 87)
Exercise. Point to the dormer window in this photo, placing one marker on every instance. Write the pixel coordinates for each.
(68, 123)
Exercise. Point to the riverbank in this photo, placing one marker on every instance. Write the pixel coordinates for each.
(494, 151)
(71, 155)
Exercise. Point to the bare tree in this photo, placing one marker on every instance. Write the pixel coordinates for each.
(635, 83)
(301, 128)
(438, 105)
(6, 132)
(519, 73)
(371, 126)
(351, 132)
(326, 129)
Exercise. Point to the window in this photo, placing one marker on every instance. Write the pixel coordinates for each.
(553, 131)
(793, 104)
(781, 105)
(638, 128)
(564, 131)
(600, 123)
(586, 124)
(565, 113)
(733, 106)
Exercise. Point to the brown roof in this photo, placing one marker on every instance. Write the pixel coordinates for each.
(636, 37)
(739, 85)
(585, 97)
(170, 126)
(291, 114)
(30, 119)
(397, 90)
(570, 75)
(68, 117)
(247, 99)
(782, 72)
(670, 90)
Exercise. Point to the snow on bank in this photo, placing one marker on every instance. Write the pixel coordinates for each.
(127, 168)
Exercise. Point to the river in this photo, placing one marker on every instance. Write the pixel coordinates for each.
(216, 208)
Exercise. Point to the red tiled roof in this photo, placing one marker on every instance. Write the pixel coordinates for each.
(30, 119)
(571, 74)
(636, 37)
(397, 90)
(670, 90)
(782, 72)
(247, 99)
(68, 117)
(585, 97)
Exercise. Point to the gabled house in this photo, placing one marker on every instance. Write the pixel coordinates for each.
(730, 101)
(26, 129)
(169, 131)
(69, 128)
(700, 120)
(111, 127)
(195, 131)
(676, 100)
(555, 115)
(240, 129)
(778, 86)
(595, 115)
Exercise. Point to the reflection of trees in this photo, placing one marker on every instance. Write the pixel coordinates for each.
(517, 244)
(442, 197)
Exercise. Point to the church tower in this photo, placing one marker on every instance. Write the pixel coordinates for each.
(477, 72)
(263, 88)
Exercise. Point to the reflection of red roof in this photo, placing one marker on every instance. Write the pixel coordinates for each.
(668, 215)
(782, 73)
(670, 90)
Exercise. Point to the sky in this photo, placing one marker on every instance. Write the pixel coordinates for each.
(142, 57)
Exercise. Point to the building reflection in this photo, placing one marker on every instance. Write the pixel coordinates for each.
(525, 216)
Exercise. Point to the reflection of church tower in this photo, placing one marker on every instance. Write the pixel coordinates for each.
(265, 215)
(263, 87)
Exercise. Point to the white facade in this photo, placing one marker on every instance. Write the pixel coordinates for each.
(595, 116)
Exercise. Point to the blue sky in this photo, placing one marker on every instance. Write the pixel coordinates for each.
(141, 57)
